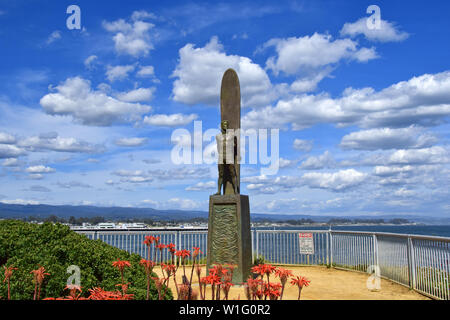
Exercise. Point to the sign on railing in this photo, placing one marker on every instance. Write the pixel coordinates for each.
(306, 243)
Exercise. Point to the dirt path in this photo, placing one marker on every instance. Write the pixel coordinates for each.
(326, 284)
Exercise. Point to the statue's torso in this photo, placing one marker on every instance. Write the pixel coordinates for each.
(225, 147)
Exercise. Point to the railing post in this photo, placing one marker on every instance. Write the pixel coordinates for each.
(327, 248)
(257, 244)
(331, 249)
(177, 244)
(253, 245)
(411, 264)
(375, 250)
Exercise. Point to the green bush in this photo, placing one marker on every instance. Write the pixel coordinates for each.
(54, 246)
(259, 260)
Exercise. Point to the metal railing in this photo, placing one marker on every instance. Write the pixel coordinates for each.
(132, 241)
(421, 263)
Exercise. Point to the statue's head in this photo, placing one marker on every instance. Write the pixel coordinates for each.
(224, 125)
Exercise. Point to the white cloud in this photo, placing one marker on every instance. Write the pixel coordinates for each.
(202, 186)
(90, 61)
(52, 142)
(173, 204)
(338, 181)
(403, 192)
(73, 184)
(319, 50)
(36, 176)
(422, 100)
(37, 188)
(10, 151)
(20, 201)
(200, 70)
(184, 204)
(6, 138)
(151, 161)
(431, 155)
(118, 72)
(137, 95)
(387, 138)
(76, 98)
(131, 38)
(172, 120)
(131, 142)
(39, 169)
(386, 171)
(271, 185)
(146, 71)
(55, 35)
(388, 31)
(137, 176)
(10, 162)
(284, 163)
(142, 15)
(309, 82)
(181, 173)
(302, 145)
(320, 162)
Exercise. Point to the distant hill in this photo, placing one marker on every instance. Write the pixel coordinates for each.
(15, 211)
(113, 213)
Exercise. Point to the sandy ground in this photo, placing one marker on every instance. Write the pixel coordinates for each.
(326, 284)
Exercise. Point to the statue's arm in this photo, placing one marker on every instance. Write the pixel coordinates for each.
(237, 158)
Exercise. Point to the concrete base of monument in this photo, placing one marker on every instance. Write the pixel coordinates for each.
(229, 237)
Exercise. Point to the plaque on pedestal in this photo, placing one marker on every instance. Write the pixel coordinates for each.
(229, 238)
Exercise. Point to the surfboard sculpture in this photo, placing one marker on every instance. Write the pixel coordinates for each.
(230, 110)
(229, 238)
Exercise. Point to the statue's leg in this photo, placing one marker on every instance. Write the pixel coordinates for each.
(220, 179)
(232, 171)
(219, 183)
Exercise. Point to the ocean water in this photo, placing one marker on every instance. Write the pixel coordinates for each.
(441, 230)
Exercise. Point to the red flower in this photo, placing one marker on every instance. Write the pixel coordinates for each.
(183, 253)
(300, 281)
(263, 269)
(272, 290)
(151, 239)
(38, 277)
(100, 294)
(196, 252)
(268, 269)
(160, 246)
(148, 265)
(8, 274)
(252, 288)
(73, 289)
(212, 279)
(283, 274)
(171, 248)
(119, 264)
(169, 268)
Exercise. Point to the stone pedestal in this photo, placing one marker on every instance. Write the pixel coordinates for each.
(229, 237)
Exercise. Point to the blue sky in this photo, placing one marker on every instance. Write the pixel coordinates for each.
(87, 115)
